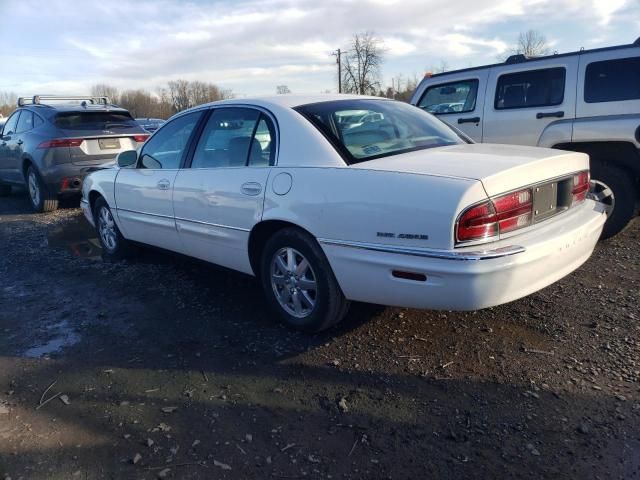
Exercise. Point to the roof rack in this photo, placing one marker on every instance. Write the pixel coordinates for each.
(43, 99)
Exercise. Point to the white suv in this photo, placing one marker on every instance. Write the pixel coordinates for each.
(586, 101)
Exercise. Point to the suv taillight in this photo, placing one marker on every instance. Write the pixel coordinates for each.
(61, 142)
(140, 138)
(505, 213)
(580, 187)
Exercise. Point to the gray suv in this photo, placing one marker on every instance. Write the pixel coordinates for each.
(50, 143)
(586, 101)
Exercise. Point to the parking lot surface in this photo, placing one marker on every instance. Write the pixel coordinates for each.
(164, 367)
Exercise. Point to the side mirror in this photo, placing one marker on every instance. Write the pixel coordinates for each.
(127, 159)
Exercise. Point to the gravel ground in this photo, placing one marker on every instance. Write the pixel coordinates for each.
(164, 367)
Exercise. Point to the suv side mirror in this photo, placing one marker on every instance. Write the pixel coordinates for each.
(127, 158)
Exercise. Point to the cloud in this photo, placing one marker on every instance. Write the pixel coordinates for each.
(253, 45)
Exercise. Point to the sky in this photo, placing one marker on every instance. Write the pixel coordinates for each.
(250, 47)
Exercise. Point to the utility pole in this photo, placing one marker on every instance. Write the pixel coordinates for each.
(338, 54)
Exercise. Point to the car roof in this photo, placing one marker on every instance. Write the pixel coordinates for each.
(291, 101)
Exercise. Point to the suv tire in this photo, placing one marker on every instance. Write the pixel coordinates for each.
(624, 196)
(42, 200)
(299, 283)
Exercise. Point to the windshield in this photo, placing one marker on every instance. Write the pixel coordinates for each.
(365, 129)
(94, 121)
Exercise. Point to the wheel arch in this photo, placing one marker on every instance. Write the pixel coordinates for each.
(259, 235)
(621, 154)
(26, 163)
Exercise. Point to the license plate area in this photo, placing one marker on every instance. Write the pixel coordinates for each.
(109, 143)
(545, 201)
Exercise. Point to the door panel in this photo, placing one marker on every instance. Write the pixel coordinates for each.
(528, 100)
(444, 97)
(11, 151)
(145, 207)
(216, 208)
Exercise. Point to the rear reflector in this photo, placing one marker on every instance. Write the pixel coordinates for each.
(418, 277)
(141, 138)
(580, 187)
(61, 142)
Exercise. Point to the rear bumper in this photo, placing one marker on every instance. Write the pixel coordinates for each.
(54, 177)
(465, 279)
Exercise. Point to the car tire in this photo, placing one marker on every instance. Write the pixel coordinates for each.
(114, 246)
(5, 190)
(298, 282)
(614, 187)
(42, 200)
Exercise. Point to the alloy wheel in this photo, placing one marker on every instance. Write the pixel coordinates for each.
(600, 192)
(294, 282)
(107, 229)
(34, 188)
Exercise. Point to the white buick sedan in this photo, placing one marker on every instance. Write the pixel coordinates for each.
(385, 205)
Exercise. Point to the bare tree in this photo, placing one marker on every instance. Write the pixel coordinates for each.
(531, 43)
(282, 90)
(105, 90)
(7, 102)
(361, 64)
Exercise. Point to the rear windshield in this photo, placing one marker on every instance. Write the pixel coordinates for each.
(363, 130)
(94, 121)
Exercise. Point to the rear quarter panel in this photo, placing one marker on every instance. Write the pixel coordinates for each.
(356, 204)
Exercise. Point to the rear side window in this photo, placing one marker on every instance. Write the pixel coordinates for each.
(25, 123)
(533, 88)
(612, 80)
(94, 121)
(10, 126)
(454, 97)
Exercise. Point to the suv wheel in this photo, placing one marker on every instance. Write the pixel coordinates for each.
(298, 282)
(41, 199)
(114, 246)
(615, 189)
(5, 190)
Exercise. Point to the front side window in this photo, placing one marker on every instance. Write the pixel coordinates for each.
(453, 97)
(10, 126)
(533, 88)
(25, 123)
(167, 146)
(612, 80)
(363, 130)
(235, 137)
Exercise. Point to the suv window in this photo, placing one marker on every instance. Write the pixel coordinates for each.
(165, 149)
(612, 80)
(533, 88)
(10, 126)
(453, 97)
(230, 139)
(94, 120)
(25, 123)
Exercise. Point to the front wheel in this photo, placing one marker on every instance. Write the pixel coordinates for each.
(298, 282)
(114, 245)
(614, 188)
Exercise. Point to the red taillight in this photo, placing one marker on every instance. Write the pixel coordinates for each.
(502, 214)
(580, 187)
(61, 142)
(141, 138)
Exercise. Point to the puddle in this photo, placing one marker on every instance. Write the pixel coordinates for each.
(63, 336)
(77, 236)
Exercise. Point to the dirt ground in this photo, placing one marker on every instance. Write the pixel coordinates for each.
(164, 367)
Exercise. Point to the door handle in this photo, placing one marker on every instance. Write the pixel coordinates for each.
(164, 184)
(251, 188)
(540, 115)
(469, 120)
(19, 142)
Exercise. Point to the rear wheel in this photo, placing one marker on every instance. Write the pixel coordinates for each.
(42, 200)
(615, 189)
(114, 245)
(298, 282)
(5, 190)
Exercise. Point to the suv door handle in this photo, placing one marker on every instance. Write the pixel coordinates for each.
(251, 188)
(164, 184)
(20, 142)
(469, 120)
(540, 115)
